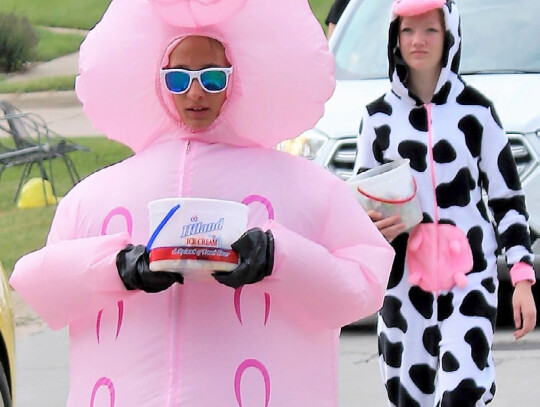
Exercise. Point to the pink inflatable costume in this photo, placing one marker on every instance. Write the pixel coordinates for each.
(201, 343)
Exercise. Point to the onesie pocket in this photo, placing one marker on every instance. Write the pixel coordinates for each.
(438, 257)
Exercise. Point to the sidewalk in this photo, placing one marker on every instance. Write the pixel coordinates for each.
(61, 110)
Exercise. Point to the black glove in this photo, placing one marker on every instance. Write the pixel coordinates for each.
(132, 263)
(256, 251)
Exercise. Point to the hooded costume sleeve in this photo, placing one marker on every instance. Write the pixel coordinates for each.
(342, 277)
(70, 276)
(505, 196)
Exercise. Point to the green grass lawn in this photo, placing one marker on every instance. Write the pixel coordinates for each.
(83, 14)
(38, 84)
(25, 230)
(53, 44)
(320, 8)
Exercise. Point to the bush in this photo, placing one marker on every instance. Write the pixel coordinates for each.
(18, 42)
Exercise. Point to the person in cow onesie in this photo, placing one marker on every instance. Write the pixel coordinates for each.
(201, 92)
(435, 329)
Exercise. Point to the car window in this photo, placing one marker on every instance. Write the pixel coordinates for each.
(499, 36)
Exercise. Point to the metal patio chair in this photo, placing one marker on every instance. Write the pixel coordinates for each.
(32, 142)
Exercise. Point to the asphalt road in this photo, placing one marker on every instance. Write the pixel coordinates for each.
(43, 373)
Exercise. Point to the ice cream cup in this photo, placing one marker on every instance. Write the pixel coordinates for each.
(193, 236)
(389, 189)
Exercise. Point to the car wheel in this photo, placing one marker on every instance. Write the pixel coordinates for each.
(5, 400)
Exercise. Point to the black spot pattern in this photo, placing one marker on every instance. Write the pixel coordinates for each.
(426, 218)
(526, 259)
(507, 168)
(416, 152)
(495, 116)
(479, 344)
(393, 31)
(392, 353)
(493, 389)
(475, 235)
(466, 394)
(379, 106)
(489, 285)
(455, 62)
(431, 339)
(445, 308)
(483, 180)
(423, 376)
(443, 152)
(457, 191)
(470, 97)
(481, 206)
(418, 119)
(381, 142)
(398, 267)
(398, 395)
(449, 362)
(391, 313)
(449, 42)
(441, 97)
(473, 131)
(515, 235)
(422, 301)
(502, 205)
(445, 221)
(475, 305)
(361, 127)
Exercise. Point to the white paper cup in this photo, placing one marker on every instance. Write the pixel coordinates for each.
(193, 236)
(389, 189)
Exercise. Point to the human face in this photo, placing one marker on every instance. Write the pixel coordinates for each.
(421, 41)
(197, 108)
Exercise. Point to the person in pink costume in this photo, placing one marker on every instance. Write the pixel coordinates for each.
(265, 335)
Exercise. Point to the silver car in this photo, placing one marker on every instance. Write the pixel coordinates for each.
(501, 58)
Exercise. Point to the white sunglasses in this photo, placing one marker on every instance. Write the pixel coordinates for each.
(212, 80)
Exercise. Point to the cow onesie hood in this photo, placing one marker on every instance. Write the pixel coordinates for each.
(201, 343)
(444, 279)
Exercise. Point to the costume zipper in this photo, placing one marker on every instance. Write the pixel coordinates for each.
(183, 192)
(175, 298)
(434, 184)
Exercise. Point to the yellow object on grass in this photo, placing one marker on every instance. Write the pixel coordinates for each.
(37, 193)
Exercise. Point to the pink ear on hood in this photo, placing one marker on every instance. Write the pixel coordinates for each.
(196, 13)
(406, 8)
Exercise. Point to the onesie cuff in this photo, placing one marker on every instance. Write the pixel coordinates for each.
(521, 272)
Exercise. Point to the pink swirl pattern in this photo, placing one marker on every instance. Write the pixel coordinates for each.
(121, 211)
(259, 198)
(196, 13)
(119, 324)
(103, 382)
(238, 379)
(238, 309)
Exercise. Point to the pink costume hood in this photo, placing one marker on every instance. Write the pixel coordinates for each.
(275, 93)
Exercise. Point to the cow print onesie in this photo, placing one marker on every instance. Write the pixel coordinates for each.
(435, 347)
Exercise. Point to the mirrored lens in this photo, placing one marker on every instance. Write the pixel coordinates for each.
(177, 81)
(214, 80)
